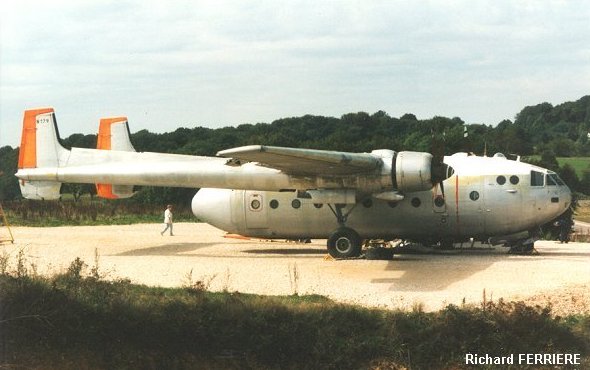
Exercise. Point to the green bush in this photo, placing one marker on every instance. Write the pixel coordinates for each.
(76, 320)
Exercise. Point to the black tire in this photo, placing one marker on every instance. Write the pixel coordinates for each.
(344, 243)
(522, 247)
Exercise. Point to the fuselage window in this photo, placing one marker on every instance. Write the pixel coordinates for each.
(551, 181)
(274, 204)
(439, 201)
(537, 178)
(368, 203)
(255, 204)
(474, 195)
(450, 171)
(554, 177)
(501, 180)
(514, 180)
(416, 202)
(296, 203)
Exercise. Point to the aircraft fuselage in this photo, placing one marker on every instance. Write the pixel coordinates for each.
(485, 197)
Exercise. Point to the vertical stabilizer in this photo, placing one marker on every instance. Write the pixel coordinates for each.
(40, 148)
(113, 134)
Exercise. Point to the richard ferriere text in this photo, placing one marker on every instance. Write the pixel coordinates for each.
(524, 359)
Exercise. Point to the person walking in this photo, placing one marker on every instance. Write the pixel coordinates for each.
(167, 220)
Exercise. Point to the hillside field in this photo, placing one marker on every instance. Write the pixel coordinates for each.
(579, 164)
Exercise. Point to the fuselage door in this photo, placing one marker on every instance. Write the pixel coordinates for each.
(468, 199)
(256, 210)
(503, 205)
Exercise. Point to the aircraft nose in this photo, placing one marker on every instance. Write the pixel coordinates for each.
(213, 206)
(567, 195)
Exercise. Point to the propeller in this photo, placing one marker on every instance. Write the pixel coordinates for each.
(439, 171)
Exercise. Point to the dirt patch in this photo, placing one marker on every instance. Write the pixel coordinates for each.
(559, 275)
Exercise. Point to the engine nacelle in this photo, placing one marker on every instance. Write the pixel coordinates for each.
(412, 171)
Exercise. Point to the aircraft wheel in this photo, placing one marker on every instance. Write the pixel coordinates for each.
(523, 247)
(344, 243)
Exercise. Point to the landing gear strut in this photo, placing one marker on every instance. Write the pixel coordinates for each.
(344, 242)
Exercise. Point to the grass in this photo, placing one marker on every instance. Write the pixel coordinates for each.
(78, 320)
(579, 164)
(86, 212)
(582, 212)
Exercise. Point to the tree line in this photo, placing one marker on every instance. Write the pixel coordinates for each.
(544, 131)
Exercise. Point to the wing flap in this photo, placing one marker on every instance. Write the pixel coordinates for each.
(305, 161)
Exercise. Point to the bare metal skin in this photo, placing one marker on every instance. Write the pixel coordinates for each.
(280, 192)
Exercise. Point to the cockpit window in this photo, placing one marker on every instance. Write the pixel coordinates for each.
(553, 177)
(537, 178)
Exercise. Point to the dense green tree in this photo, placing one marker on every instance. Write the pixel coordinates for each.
(78, 190)
(584, 184)
(563, 147)
(568, 174)
(548, 160)
(79, 141)
(9, 188)
(542, 129)
(544, 122)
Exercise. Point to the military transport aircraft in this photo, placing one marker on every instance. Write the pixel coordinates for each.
(277, 192)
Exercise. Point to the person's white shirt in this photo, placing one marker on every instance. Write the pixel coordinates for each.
(167, 216)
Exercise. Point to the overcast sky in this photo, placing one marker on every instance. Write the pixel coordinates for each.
(170, 64)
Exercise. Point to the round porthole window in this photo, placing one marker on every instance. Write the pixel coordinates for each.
(367, 203)
(296, 203)
(501, 180)
(255, 204)
(474, 195)
(416, 202)
(274, 204)
(514, 180)
(439, 201)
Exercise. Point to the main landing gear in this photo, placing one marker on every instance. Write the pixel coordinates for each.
(344, 242)
(522, 247)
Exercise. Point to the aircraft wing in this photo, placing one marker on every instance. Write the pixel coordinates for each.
(304, 161)
(115, 167)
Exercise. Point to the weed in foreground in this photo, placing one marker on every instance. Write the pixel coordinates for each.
(198, 287)
(111, 324)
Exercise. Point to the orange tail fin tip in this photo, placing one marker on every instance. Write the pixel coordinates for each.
(113, 136)
(104, 132)
(27, 156)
